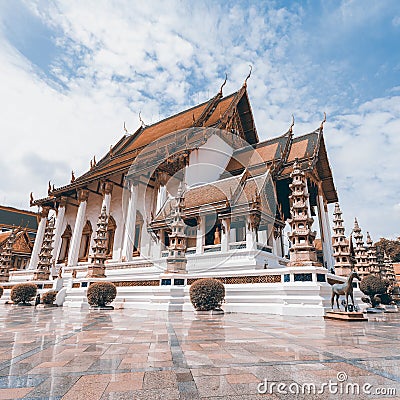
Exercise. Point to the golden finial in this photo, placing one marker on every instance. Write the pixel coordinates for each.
(91, 164)
(248, 76)
(111, 150)
(72, 176)
(226, 78)
(49, 188)
(31, 199)
(292, 125)
(94, 160)
(323, 121)
(126, 130)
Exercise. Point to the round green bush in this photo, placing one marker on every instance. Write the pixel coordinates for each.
(49, 297)
(23, 293)
(373, 287)
(100, 294)
(207, 294)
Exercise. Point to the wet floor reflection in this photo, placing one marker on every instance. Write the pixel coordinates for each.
(68, 353)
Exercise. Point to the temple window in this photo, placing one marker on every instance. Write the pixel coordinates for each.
(65, 242)
(85, 242)
(111, 228)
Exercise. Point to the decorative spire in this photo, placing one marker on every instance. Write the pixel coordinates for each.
(220, 90)
(97, 267)
(372, 257)
(248, 76)
(341, 247)
(291, 125)
(6, 257)
(72, 177)
(302, 252)
(321, 128)
(45, 257)
(176, 260)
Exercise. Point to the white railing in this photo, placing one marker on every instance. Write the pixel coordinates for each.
(237, 245)
(212, 248)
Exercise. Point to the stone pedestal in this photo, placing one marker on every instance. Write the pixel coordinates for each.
(96, 271)
(345, 316)
(40, 275)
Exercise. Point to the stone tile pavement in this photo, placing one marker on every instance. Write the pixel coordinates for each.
(127, 354)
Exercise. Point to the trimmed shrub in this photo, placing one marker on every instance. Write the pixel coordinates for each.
(207, 294)
(373, 287)
(23, 293)
(49, 297)
(1, 291)
(100, 294)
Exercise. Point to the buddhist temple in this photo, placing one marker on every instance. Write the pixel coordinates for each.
(198, 195)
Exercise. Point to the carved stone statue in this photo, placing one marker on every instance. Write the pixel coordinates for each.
(74, 273)
(345, 289)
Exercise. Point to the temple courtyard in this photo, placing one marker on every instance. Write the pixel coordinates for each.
(60, 353)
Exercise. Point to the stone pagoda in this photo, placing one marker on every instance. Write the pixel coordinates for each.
(45, 263)
(388, 269)
(362, 263)
(341, 247)
(176, 260)
(374, 267)
(97, 268)
(302, 252)
(6, 257)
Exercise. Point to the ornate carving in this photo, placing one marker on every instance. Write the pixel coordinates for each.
(44, 212)
(83, 195)
(255, 219)
(63, 201)
(107, 188)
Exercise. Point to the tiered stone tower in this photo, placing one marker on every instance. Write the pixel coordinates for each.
(372, 257)
(42, 271)
(341, 248)
(362, 263)
(176, 260)
(388, 269)
(97, 268)
(303, 251)
(6, 258)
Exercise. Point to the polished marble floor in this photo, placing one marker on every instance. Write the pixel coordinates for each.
(124, 354)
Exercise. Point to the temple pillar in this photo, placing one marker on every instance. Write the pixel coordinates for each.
(73, 253)
(58, 227)
(225, 235)
(251, 236)
(130, 222)
(107, 190)
(39, 238)
(201, 235)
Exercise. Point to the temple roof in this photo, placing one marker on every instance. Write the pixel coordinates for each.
(22, 243)
(213, 113)
(12, 217)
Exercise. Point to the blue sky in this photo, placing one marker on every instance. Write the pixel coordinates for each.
(73, 72)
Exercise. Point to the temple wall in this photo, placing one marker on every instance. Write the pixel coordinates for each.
(208, 162)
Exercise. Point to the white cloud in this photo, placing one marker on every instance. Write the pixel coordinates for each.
(118, 58)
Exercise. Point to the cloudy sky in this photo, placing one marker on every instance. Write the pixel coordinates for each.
(73, 71)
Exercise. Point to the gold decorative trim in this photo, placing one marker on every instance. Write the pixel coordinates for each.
(76, 285)
(137, 283)
(234, 280)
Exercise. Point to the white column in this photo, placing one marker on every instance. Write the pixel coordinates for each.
(201, 235)
(107, 190)
(251, 237)
(73, 253)
(58, 227)
(39, 238)
(225, 235)
(326, 234)
(130, 222)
